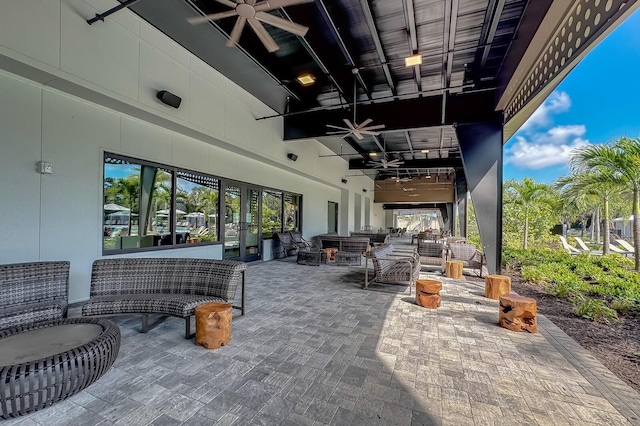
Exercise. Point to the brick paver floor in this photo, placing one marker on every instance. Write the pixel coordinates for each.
(314, 349)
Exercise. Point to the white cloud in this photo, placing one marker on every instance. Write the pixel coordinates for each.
(550, 148)
(556, 103)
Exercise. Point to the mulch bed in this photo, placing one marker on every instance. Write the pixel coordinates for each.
(615, 345)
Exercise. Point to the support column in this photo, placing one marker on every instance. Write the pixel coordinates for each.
(462, 214)
(481, 149)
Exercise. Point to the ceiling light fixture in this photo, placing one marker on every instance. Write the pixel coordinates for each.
(373, 154)
(306, 79)
(413, 60)
(424, 151)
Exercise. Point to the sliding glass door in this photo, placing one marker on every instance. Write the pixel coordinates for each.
(242, 222)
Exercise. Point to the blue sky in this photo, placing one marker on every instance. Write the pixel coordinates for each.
(597, 102)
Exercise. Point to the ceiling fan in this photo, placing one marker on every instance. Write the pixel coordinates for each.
(386, 164)
(353, 128)
(255, 13)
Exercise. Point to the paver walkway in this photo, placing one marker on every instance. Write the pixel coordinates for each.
(314, 348)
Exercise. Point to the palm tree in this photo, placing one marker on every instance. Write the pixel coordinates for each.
(584, 185)
(528, 193)
(621, 159)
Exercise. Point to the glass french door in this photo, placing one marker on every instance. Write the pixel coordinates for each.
(242, 232)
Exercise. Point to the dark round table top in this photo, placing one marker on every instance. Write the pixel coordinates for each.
(40, 343)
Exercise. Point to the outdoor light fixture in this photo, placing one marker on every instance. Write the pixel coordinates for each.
(306, 79)
(413, 60)
(364, 190)
(344, 180)
(291, 156)
(373, 154)
(424, 151)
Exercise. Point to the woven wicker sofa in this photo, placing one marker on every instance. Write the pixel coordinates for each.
(373, 238)
(162, 286)
(391, 267)
(33, 292)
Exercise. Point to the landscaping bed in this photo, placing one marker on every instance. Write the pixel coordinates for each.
(579, 294)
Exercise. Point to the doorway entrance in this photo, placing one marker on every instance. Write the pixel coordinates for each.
(242, 232)
(332, 217)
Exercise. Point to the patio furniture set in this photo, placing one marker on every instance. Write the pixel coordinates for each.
(46, 357)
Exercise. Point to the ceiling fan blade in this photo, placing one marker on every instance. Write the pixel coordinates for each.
(263, 35)
(367, 132)
(251, 2)
(364, 123)
(274, 4)
(357, 134)
(213, 17)
(376, 127)
(338, 127)
(349, 125)
(237, 31)
(393, 165)
(283, 24)
(229, 3)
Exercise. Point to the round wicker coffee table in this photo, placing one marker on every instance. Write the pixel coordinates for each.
(46, 362)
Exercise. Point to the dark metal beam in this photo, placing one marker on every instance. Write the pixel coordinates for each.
(434, 163)
(410, 19)
(491, 33)
(343, 47)
(405, 114)
(408, 138)
(366, 9)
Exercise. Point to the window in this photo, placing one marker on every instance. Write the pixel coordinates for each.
(139, 199)
(280, 212)
(291, 211)
(271, 212)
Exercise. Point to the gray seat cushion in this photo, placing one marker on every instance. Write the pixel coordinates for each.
(179, 305)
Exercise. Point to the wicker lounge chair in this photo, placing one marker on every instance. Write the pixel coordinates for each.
(468, 255)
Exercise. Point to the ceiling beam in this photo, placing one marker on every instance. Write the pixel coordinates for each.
(407, 114)
(493, 26)
(412, 34)
(373, 30)
(408, 138)
(343, 47)
(435, 163)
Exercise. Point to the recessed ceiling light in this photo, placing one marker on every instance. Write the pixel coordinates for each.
(413, 60)
(424, 151)
(373, 154)
(306, 79)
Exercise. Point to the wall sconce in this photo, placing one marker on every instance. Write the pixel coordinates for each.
(291, 156)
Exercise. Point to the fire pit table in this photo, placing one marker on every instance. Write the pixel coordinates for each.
(46, 362)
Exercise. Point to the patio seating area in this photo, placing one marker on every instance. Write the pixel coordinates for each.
(314, 348)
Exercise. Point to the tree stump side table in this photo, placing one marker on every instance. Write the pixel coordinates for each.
(518, 313)
(428, 293)
(213, 324)
(496, 285)
(454, 269)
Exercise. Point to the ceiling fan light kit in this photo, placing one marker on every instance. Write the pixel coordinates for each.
(255, 13)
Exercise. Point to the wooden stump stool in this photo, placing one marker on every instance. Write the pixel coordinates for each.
(454, 269)
(213, 324)
(518, 313)
(496, 285)
(428, 293)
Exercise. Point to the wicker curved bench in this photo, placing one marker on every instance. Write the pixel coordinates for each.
(162, 286)
(70, 354)
(32, 292)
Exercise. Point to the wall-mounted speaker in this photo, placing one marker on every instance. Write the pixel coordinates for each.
(344, 181)
(291, 156)
(364, 190)
(169, 98)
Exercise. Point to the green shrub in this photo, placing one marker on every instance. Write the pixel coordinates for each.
(623, 305)
(594, 309)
